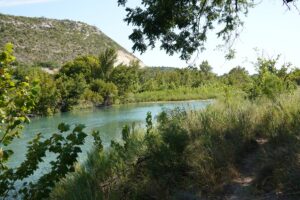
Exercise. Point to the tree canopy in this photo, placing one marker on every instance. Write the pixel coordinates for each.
(182, 26)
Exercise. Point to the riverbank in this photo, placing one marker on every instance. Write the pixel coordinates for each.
(179, 94)
(235, 149)
(173, 95)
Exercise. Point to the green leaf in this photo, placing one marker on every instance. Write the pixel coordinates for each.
(79, 128)
(62, 127)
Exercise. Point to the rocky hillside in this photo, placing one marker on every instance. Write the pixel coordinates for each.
(53, 41)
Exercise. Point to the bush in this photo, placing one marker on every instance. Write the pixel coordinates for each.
(93, 97)
(107, 90)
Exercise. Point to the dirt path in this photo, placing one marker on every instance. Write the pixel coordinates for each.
(241, 187)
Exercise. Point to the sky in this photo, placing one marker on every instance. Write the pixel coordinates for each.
(270, 29)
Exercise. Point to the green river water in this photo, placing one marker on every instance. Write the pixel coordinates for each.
(109, 121)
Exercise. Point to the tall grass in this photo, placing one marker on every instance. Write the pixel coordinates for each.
(198, 153)
(181, 93)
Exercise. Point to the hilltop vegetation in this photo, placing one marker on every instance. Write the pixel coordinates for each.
(50, 42)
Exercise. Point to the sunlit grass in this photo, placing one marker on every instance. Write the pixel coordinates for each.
(182, 93)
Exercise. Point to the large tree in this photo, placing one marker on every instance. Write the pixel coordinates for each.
(181, 26)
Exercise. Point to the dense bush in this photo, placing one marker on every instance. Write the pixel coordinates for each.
(108, 90)
(270, 81)
(70, 90)
(125, 78)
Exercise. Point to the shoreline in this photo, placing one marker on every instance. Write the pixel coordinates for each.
(34, 116)
(164, 101)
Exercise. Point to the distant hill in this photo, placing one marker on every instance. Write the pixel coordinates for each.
(55, 41)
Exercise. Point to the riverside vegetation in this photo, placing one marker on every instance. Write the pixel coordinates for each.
(94, 81)
(252, 130)
(91, 80)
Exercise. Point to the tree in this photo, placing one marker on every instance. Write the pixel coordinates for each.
(205, 67)
(181, 26)
(267, 65)
(107, 90)
(47, 98)
(270, 81)
(125, 78)
(70, 90)
(85, 65)
(238, 77)
(16, 101)
(295, 76)
(107, 60)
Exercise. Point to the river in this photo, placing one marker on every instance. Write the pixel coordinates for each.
(109, 121)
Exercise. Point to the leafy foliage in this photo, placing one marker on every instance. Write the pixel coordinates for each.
(295, 76)
(47, 97)
(65, 146)
(125, 78)
(93, 81)
(205, 67)
(17, 98)
(239, 77)
(16, 101)
(70, 90)
(87, 66)
(107, 61)
(270, 81)
(107, 90)
(182, 26)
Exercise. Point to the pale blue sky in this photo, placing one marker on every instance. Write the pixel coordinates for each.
(269, 27)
